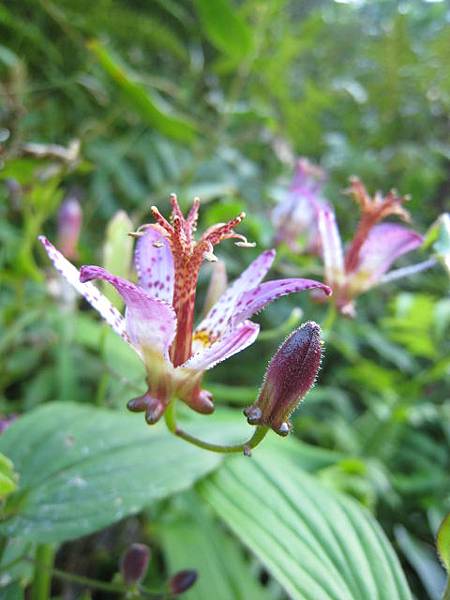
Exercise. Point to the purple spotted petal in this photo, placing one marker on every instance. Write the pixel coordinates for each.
(150, 323)
(385, 243)
(154, 265)
(95, 298)
(217, 319)
(244, 335)
(254, 300)
(333, 256)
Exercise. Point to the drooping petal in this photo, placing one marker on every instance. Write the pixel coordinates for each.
(244, 335)
(217, 319)
(333, 256)
(154, 264)
(150, 323)
(95, 298)
(385, 243)
(254, 300)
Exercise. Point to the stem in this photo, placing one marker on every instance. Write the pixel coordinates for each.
(85, 581)
(42, 578)
(245, 447)
(330, 318)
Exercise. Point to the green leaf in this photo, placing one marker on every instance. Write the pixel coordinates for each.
(141, 100)
(225, 29)
(7, 477)
(443, 546)
(218, 558)
(82, 468)
(318, 544)
(117, 253)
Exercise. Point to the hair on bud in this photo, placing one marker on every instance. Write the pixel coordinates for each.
(290, 375)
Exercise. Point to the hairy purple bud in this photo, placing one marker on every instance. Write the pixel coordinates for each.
(289, 377)
(134, 563)
(182, 581)
(70, 217)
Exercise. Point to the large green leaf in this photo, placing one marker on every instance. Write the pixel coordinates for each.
(140, 99)
(320, 545)
(224, 27)
(218, 558)
(82, 468)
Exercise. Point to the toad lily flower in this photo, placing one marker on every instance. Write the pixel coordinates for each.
(158, 323)
(296, 214)
(375, 246)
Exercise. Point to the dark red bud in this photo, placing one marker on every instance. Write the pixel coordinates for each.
(182, 581)
(290, 375)
(134, 563)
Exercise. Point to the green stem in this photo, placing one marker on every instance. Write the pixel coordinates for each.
(329, 319)
(245, 447)
(42, 578)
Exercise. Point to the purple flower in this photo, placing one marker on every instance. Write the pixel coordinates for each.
(296, 214)
(70, 218)
(373, 249)
(289, 377)
(159, 319)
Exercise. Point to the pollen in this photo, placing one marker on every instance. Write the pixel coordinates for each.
(203, 337)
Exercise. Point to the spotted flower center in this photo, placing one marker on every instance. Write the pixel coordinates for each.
(188, 255)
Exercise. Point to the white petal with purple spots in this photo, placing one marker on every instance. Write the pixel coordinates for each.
(254, 300)
(218, 318)
(95, 298)
(150, 323)
(154, 264)
(240, 338)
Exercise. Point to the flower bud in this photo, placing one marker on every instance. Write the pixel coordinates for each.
(134, 563)
(182, 581)
(290, 375)
(70, 217)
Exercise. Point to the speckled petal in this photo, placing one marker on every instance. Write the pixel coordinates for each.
(95, 298)
(243, 336)
(154, 264)
(333, 256)
(150, 323)
(218, 318)
(385, 243)
(254, 300)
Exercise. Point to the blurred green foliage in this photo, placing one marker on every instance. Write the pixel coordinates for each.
(215, 99)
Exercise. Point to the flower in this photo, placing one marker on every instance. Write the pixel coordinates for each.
(159, 317)
(296, 214)
(373, 249)
(289, 377)
(70, 218)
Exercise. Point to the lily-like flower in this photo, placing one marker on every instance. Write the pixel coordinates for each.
(159, 318)
(296, 214)
(375, 246)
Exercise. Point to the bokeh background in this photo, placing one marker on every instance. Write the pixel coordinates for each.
(180, 96)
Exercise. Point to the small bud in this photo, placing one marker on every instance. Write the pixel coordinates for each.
(182, 581)
(70, 217)
(290, 375)
(134, 563)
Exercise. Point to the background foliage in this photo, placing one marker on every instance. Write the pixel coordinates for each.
(214, 99)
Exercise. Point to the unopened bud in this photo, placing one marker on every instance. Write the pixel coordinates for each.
(134, 563)
(70, 217)
(290, 375)
(182, 581)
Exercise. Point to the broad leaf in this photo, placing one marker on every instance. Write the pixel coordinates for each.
(319, 544)
(218, 558)
(82, 468)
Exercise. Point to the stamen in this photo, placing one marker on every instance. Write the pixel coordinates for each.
(161, 220)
